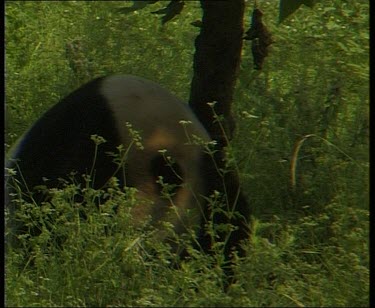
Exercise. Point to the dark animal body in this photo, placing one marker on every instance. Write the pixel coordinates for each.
(60, 143)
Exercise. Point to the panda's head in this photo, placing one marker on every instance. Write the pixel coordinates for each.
(117, 108)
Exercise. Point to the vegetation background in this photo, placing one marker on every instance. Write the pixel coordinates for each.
(309, 104)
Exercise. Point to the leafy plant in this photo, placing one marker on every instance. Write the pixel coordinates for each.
(308, 246)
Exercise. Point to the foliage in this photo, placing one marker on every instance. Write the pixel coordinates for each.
(308, 105)
(303, 91)
(104, 260)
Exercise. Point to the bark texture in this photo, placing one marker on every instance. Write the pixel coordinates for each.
(216, 63)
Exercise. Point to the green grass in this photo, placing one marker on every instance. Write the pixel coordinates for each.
(309, 245)
(104, 260)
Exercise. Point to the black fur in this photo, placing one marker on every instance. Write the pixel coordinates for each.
(85, 114)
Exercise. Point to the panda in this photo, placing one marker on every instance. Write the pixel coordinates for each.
(59, 143)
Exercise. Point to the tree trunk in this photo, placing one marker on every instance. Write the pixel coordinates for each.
(216, 63)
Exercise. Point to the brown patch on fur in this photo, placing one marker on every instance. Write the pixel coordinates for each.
(160, 139)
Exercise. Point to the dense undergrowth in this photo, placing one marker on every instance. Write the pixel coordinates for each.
(301, 147)
(104, 261)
